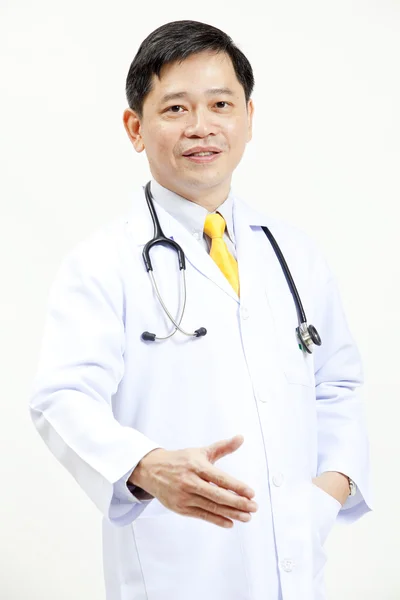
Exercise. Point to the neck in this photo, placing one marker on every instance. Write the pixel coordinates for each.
(209, 198)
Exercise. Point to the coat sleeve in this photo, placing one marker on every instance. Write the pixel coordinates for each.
(80, 366)
(342, 435)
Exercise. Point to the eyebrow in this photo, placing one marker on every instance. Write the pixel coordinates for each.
(210, 92)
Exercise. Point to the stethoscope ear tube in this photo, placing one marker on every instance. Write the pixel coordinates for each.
(201, 332)
(151, 337)
(148, 337)
(160, 238)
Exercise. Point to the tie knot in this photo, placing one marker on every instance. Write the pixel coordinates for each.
(214, 225)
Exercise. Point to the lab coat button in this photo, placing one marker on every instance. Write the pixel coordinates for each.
(287, 565)
(196, 235)
(278, 479)
(244, 312)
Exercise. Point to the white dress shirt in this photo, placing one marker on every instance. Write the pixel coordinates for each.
(192, 216)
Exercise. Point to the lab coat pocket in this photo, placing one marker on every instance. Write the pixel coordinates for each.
(325, 509)
(184, 557)
(297, 363)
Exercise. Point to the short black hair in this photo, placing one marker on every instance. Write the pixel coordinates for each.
(173, 42)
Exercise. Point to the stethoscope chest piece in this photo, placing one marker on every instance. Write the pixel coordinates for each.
(308, 336)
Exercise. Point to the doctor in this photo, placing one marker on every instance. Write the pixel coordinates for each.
(220, 462)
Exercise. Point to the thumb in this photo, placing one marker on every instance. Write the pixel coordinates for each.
(223, 447)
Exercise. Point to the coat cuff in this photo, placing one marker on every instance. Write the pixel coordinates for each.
(355, 506)
(127, 504)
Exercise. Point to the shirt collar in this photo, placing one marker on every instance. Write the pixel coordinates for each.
(189, 214)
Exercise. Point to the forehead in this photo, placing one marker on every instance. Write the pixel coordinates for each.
(196, 74)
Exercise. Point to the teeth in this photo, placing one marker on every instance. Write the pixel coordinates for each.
(202, 154)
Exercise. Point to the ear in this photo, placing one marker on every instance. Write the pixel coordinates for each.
(133, 129)
(250, 113)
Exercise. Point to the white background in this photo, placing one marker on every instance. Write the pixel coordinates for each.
(325, 155)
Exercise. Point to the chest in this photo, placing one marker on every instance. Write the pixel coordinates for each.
(256, 331)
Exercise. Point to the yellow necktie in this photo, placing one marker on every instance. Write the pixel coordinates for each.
(214, 227)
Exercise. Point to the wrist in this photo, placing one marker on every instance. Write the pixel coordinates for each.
(336, 484)
(135, 476)
(140, 473)
(346, 481)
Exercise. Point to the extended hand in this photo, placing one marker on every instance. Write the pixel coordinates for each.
(181, 480)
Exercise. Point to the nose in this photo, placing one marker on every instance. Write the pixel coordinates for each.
(201, 123)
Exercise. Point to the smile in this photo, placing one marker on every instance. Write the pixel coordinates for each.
(203, 157)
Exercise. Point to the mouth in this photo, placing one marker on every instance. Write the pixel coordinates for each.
(204, 156)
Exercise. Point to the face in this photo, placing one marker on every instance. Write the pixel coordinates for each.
(194, 105)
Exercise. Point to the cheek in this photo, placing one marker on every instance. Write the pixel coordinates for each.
(236, 133)
(236, 128)
(160, 139)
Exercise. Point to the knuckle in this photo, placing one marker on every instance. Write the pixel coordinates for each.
(244, 505)
(240, 506)
(184, 484)
(180, 507)
(206, 516)
(231, 513)
(235, 501)
(217, 497)
(189, 459)
(181, 502)
(182, 481)
(184, 510)
(210, 506)
(190, 486)
(218, 480)
(200, 469)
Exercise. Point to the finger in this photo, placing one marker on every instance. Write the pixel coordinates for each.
(221, 495)
(223, 447)
(221, 479)
(218, 509)
(199, 513)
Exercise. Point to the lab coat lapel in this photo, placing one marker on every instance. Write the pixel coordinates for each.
(199, 257)
(260, 286)
(142, 229)
(256, 258)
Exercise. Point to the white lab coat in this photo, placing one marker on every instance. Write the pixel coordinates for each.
(103, 398)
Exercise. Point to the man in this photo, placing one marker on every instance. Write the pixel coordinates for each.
(140, 424)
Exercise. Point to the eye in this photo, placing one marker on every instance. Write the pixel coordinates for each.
(222, 102)
(170, 109)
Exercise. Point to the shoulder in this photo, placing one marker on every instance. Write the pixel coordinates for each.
(299, 247)
(282, 229)
(99, 253)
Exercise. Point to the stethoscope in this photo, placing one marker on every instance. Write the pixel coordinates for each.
(306, 334)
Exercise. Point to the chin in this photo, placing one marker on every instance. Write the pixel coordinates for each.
(201, 180)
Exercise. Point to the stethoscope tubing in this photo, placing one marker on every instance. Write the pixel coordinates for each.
(301, 315)
(159, 238)
(307, 334)
(176, 324)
